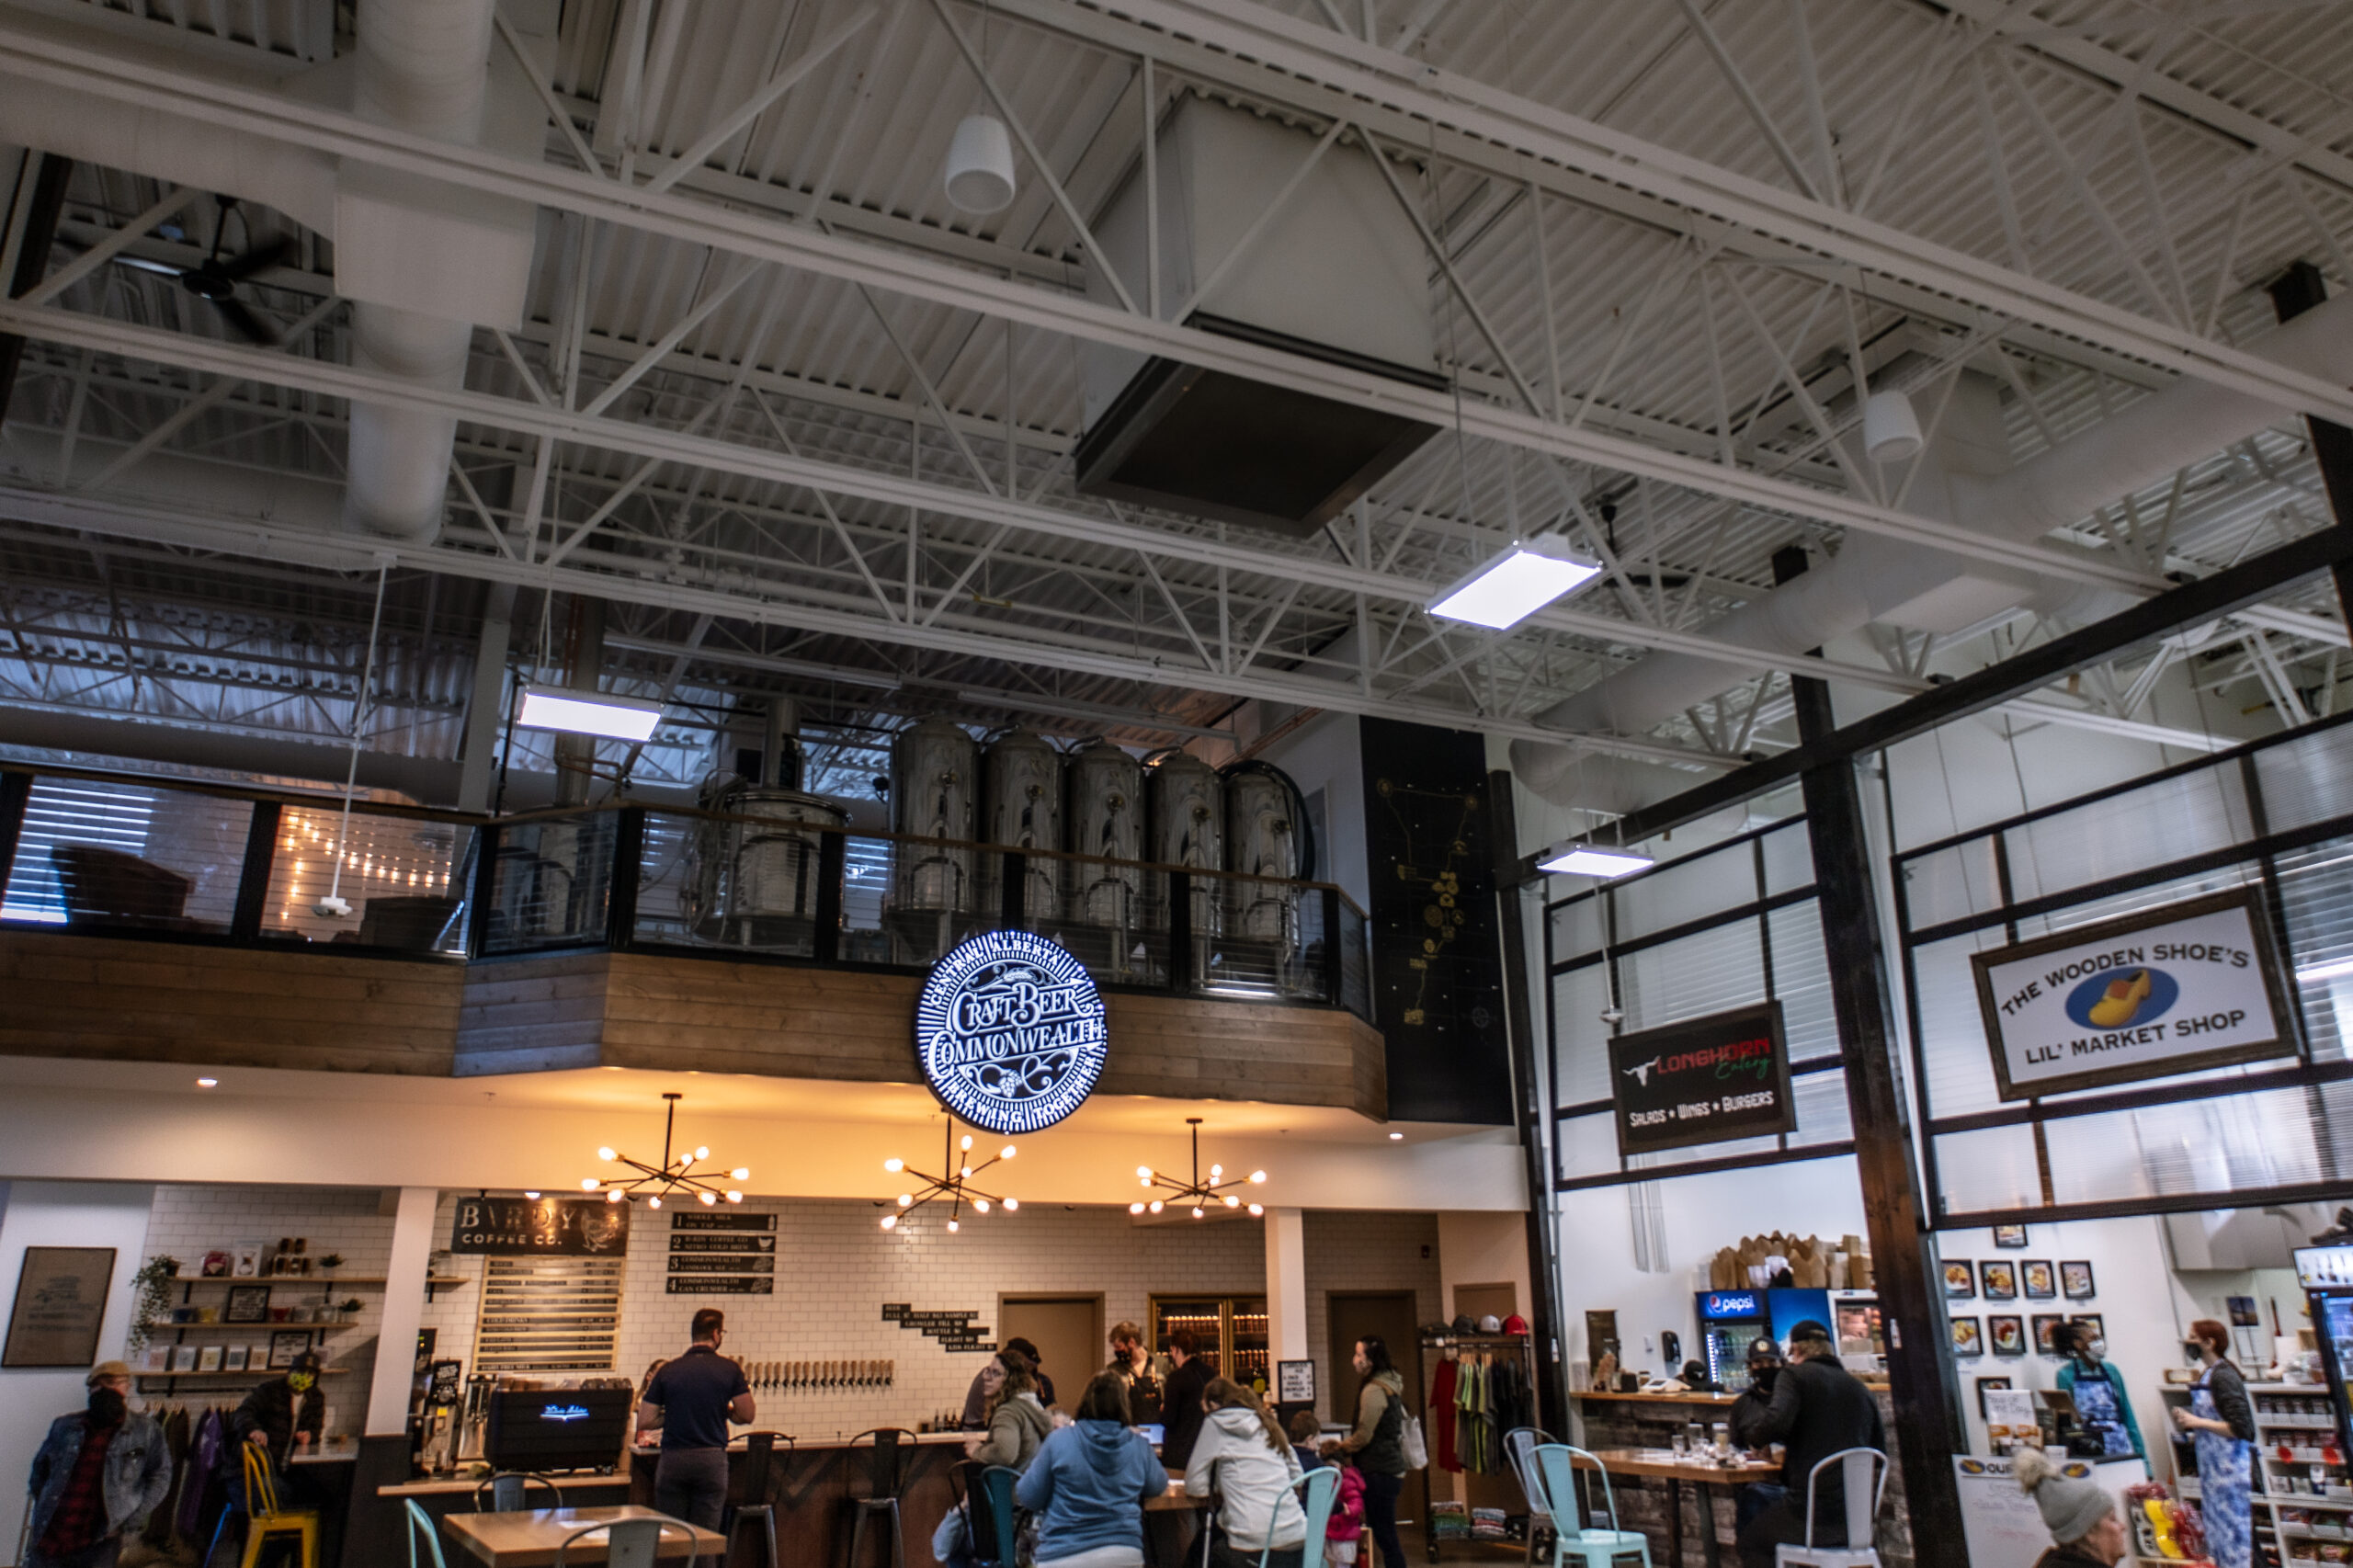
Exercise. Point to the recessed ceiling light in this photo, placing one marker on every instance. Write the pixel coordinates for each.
(208, 1083)
(1397, 1138)
(532, 1196)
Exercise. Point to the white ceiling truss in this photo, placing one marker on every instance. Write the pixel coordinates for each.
(771, 384)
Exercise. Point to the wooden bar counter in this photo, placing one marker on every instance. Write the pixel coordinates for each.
(810, 1482)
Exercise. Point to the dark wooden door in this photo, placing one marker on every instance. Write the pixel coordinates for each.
(1353, 1316)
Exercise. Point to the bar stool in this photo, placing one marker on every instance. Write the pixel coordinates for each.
(759, 1451)
(887, 1466)
(265, 1518)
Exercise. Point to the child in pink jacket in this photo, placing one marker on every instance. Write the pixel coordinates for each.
(1346, 1529)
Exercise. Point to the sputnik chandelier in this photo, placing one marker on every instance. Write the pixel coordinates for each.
(956, 1187)
(673, 1178)
(1201, 1194)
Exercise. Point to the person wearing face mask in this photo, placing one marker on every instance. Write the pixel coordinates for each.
(99, 1475)
(2086, 1532)
(2101, 1403)
(2222, 1424)
(279, 1416)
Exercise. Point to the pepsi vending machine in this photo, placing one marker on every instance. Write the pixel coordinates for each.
(1731, 1320)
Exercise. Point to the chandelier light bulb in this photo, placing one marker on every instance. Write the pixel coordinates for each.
(1011, 1204)
(967, 1142)
(708, 1198)
(702, 1152)
(895, 1166)
(613, 1197)
(1197, 1213)
(738, 1198)
(1232, 1202)
(906, 1200)
(1005, 1153)
(1144, 1171)
(1145, 1183)
(653, 1203)
(953, 1225)
(965, 1172)
(1135, 1208)
(890, 1221)
(1157, 1206)
(1258, 1209)
(742, 1172)
(606, 1152)
(589, 1184)
(980, 1205)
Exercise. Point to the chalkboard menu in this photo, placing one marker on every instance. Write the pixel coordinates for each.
(1702, 1080)
(954, 1330)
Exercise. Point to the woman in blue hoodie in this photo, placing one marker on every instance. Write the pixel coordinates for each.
(1088, 1483)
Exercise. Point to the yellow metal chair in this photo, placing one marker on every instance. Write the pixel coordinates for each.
(265, 1518)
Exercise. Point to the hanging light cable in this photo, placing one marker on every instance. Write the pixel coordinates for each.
(335, 907)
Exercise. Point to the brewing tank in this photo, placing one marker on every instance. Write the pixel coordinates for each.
(1104, 816)
(1264, 837)
(1186, 828)
(753, 879)
(1021, 808)
(934, 769)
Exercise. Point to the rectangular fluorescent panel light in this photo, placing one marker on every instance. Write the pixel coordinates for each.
(1575, 859)
(589, 713)
(1516, 584)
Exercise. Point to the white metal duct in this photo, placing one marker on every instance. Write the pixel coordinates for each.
(1879, 579)
(423, 262)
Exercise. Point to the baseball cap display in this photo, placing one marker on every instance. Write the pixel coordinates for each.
(1462, 1323)
(1491, 1324)
(1515, 1324)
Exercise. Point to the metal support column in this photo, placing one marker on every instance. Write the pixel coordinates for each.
(253, 880)
(1519, 1016)
(1904, 1262)
(478, 756)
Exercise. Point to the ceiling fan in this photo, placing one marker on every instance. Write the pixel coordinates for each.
(215, 279)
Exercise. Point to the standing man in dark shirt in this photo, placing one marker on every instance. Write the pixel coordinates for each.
(1817, 1408)
(1181, 1408)
(690, 1402)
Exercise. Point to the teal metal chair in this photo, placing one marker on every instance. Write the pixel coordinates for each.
(991, 1513)
(420, 1523)
(630, 1543)
(1316, 1489)
(1572, 1535)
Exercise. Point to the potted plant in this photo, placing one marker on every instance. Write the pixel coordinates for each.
(154, 1284)
(350, 1309)
(329, 1263)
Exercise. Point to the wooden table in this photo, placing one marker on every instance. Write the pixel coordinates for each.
(530, 1540)
(1662, 1465)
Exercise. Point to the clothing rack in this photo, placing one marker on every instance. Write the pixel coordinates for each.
(1520, 1350)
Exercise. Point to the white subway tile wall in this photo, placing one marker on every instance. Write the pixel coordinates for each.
(188, 1221)
(835, 1268)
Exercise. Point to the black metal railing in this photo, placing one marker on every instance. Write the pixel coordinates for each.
(101, 852)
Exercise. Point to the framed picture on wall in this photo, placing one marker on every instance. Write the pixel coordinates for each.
(2000, 1278)
(2038, 1282)
(2046, 1333)
(2007, 1333)
(1960, 1280)
(1987, 1385)
(1968, 1338)
(60, 1301)
(285, 1345)
(2012, 1237)
(208, 1359)
(233, 1358)
(247, 1265)
(248, 1303)
(182, 1358)
(2075, 1281)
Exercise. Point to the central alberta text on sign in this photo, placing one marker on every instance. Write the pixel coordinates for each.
(2174, 990)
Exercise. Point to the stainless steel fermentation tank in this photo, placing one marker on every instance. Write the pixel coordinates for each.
(1186, 826)
(1265, 835)
(1103, 815)
(1021, 796)
(934, 771)
(751, 880)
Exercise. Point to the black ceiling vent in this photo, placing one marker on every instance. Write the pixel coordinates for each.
(1267, 235)
(1223, 446)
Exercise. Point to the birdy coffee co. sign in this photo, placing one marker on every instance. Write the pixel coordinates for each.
(1010, 1032)
(1701, 1081)
(2175, 990)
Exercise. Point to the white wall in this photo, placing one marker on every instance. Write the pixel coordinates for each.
(80, 1214)
(2141, 1303)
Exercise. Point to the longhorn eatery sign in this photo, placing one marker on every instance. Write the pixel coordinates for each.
(2180, 989)
(1701, 1081)
(1010, 1032)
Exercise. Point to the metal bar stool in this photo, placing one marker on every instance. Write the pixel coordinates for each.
(759, 1453)
(887, 1466)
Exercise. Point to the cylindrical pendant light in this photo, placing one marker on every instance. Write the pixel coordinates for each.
(980, 165)
(1891, 430)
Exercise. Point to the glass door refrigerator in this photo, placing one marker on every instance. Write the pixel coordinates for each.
(1730, 1322)
(2326, 1275)
(1231, 1331)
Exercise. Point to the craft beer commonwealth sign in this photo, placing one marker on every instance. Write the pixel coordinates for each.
(1010, 1032)
(2175, 990)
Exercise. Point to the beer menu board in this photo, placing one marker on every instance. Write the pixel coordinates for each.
(1702, 1080)
(549, 1314)
(728, 1252)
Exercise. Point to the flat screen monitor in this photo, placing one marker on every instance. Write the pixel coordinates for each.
(546, 1429)
(1154, 1432)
